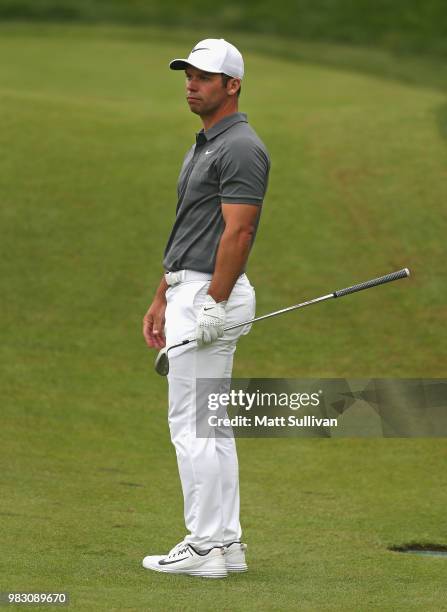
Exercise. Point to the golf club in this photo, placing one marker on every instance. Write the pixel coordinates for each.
(162, 361)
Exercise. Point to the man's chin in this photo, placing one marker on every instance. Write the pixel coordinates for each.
(194, 106)
(200, 110)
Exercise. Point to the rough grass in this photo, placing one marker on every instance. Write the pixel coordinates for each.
(401, 25)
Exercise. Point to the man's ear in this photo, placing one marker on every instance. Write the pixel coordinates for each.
(234, 85)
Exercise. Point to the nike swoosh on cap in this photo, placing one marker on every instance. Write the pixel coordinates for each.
(200, 49)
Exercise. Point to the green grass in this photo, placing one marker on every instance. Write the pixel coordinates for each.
(400, 25)
(94, 128)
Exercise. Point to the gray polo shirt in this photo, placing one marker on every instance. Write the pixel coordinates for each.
(228, 164)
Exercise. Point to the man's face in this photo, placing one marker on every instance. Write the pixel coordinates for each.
(205, 91)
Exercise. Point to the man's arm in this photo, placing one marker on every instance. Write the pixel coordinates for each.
(234, 247)
(154, 319)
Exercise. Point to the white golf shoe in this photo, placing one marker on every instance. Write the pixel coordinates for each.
(185, 559)
(234, 555)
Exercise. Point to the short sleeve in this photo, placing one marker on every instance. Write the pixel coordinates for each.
(244, 170)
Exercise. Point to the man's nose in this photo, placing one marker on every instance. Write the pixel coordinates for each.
(191, 85)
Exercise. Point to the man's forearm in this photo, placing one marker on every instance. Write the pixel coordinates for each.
(154, 319)
(161, 289)
(232, 255)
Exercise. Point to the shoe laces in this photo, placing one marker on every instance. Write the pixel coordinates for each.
(179, 549)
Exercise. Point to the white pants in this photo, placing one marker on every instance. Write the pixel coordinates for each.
(208, 467)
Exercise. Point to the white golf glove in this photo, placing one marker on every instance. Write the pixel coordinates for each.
(210, 321)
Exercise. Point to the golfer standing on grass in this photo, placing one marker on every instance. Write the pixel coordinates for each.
(221, 188)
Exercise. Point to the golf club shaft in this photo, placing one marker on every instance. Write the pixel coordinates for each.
(335, 294)
(282, 311)
(404, 273)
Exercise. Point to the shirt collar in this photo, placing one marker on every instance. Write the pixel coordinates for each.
(219, 127)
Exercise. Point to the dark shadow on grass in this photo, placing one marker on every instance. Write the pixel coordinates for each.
(131, 484)
(419, 547)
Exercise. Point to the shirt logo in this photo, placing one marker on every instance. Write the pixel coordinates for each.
(208, 152)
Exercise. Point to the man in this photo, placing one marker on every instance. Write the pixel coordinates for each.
(221, 188)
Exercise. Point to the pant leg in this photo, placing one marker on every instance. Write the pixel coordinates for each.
(241, 306)
(208, 467)
(229, 472)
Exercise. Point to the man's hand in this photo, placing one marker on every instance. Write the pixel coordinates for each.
(210, 321)
(154, 324)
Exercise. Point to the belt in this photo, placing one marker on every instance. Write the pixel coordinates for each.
(182, 276)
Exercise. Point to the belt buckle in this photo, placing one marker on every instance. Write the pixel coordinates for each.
(174, 278)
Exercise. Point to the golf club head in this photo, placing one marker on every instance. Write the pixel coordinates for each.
(161, 364)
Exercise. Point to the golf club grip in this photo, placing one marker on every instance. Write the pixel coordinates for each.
(373, 283)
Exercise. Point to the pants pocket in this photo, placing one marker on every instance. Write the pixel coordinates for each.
(183, 304)
(246, 329)
(241, 307)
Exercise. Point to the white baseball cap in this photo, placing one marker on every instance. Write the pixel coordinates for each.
(213, 55)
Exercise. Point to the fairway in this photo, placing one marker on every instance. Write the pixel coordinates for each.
(94, 129)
